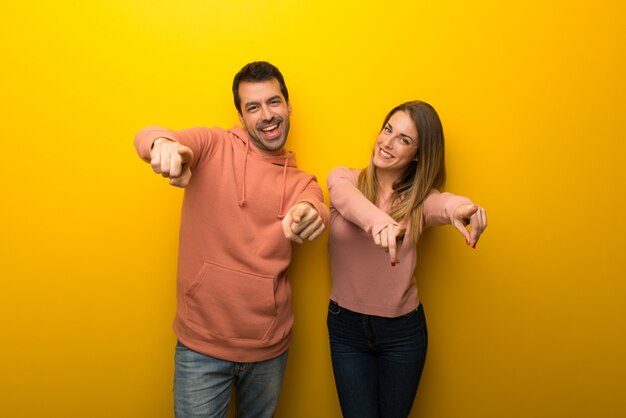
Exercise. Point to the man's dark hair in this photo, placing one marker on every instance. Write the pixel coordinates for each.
(255, 72)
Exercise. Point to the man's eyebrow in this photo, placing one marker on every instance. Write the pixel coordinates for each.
(247, 104)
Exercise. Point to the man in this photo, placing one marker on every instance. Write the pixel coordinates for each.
(245, 203)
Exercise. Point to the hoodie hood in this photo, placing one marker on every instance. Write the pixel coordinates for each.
(287, 159)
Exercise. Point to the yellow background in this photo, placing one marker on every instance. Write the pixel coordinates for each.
(531, 94)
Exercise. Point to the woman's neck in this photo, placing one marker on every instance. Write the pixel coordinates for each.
(386, 179)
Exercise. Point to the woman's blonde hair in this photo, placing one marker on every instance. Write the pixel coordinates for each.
(419, 177)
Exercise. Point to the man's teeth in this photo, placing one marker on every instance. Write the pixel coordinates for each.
(270, 128)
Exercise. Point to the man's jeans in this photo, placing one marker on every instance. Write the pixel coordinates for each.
(377, 361)
(203, 384)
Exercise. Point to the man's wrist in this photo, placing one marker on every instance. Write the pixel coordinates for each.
(160, 140)
(307, 203)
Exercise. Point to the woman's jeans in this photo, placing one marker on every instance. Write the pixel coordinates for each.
(377, 361)
(203, 384)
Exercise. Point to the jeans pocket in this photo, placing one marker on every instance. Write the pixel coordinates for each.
(334, 308)
(408, 315)
(180, 346)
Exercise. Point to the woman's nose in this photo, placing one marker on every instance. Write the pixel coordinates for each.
(388, 142)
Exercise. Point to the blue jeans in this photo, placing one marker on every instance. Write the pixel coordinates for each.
(377, 361)
(203, 384)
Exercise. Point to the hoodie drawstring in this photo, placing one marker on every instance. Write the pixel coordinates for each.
(280, 214)
(242, 201)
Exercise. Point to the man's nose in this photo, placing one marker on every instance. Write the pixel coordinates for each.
(266, 114)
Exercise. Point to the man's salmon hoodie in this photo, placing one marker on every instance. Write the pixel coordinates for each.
(233, 296)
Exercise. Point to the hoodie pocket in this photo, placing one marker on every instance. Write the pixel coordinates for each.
(231, 303)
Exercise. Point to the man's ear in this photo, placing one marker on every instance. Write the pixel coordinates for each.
(243, 124)
(289, 107)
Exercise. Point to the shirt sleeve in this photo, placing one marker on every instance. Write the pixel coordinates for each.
(313, 195)
(439, 207)
(351, 204)
(198, 139)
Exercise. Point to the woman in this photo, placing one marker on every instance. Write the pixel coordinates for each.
(377, 328)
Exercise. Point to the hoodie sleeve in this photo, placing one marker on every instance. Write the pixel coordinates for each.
(198, 139)
(439, 207)
(312, 194)
(351, 204)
